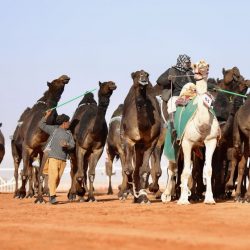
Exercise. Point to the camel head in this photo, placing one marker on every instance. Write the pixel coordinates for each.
(233, 80)
(105, 91)
(140, 78)
(231, 75)
(201, 70)
(56, 88)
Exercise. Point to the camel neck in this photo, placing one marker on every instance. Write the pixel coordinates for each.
(201, 86)
(100, 117)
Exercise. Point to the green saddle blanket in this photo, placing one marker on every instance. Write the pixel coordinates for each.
(182, 115)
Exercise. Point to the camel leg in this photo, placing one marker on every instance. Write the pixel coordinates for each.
(73, 170)
(156, 171)
(241, 169)
(207, 170)
(41, 178)
(25, 173)
(231, 154)
(128, 169)
(247, 198)
(172, 172)
(31, 192)
(93, 159)
(109, 168)
(16, 164)
(79, 180)
(185, 192)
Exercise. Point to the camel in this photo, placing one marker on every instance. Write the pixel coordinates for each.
(241, 136)
(90, 135)
(140, 128)
(225, 107)
(16, 145)
(202, 129)
(32, 139)
(2, 145)
(114, 148)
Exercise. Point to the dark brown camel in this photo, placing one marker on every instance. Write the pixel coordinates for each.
(86, 104)
(225, 107)
(140, 125)
(155, 159)
(16, 145)
(33, 138)
(241, 137)
(114, 148)
(90, 135)
(2, 145)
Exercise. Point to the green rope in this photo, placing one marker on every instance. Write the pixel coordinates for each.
(231, 93)
(64, 103)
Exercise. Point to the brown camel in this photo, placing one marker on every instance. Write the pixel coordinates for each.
(90, 135)
(225, 106)
(16, 145)
(241, 136)
(155, 159)
(2, 145)
(114, 148)
(140, 125)
(33, 138)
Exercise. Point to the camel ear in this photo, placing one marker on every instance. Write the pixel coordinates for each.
(100, 83)
(48, 83)
(133, 75)
(223, 71)
(0, 125)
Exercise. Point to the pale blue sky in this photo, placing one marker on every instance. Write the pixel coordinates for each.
(107, 40)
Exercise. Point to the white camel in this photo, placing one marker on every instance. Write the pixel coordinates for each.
(202, 129)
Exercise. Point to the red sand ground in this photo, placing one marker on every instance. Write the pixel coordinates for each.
(112, 224)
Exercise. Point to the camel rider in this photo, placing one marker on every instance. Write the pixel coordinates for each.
(173, 80)
(58, 146)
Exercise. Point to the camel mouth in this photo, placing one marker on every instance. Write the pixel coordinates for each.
(143, 82)
(66, 81)
(113, 87)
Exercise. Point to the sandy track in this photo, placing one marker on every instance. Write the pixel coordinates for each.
(112, 224)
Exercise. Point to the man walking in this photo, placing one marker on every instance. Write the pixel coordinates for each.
(58, 146)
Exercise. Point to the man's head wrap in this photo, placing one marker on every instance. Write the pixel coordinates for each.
(181, 63)
(61, 119)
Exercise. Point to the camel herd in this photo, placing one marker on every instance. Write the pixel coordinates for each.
(211, 158)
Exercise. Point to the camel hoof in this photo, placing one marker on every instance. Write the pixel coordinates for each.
(21, 194)
(122, 196)
(29, 195)
(46, 192)
(110, 191)
(165, 198)
(15, 195)
(71, 196)
(81, 199)
(91, 199)
(238, 199)
(209, 202)
(247, 199)
(39, 200)
(183, 201)
(153, 188)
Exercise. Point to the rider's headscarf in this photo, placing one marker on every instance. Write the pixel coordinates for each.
(181, 63)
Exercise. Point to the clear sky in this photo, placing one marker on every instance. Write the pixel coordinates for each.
(104, 40)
